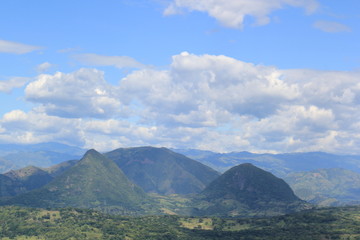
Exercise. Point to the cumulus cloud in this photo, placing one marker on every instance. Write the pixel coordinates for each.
(331, 27)
(17, 48)
(33, 127)
(208, 90)
(18, 126)
(15, 82)
(83, 93)
(116, 61)
(232, 13)
(200, 101)
(257, 107)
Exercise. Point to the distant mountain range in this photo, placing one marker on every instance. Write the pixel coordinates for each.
(15, 156)
(278, 164)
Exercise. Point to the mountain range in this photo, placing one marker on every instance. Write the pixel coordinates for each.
(165, 172)
(15, 156)
(94, 181)
(97, 182)
(278, 164)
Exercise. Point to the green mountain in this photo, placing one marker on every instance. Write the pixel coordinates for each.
(58, 169)
(7, 186)
(162, 171)
(326, 187)
(26, 179)
(246, 190)
(93, 182)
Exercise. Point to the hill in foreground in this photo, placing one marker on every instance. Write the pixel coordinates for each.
(94, 181)
(246, 190)
(159, 170)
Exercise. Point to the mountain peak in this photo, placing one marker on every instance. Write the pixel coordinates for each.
(91, 152)
(162, 171)
(247, 179)
(94, 181)
(247, 189)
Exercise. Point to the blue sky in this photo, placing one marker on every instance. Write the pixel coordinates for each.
(222, 75)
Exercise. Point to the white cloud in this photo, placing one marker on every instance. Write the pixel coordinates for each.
(201, 101)
(331, 27)
(15, 82)
(247, 106)
(34, 127)
(207, 90)
(116, 61)
(17, 48)
(84, 93)
(232, 13)
(44, 67)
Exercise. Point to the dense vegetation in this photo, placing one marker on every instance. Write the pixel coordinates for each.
(56, 224)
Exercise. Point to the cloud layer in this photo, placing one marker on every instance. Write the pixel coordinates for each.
(12, 83)
(101, 60)
(331, 27)
(17, 48)
(201, 101)
(232, 13)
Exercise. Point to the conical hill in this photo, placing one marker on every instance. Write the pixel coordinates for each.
(95, 181)
(248, 190)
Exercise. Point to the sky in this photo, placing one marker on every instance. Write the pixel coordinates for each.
(222, 75)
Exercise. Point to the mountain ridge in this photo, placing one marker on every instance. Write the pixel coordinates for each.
(162, 171)
(94, 181)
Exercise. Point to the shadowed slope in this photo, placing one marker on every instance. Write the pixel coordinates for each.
(162, 171)
(248, 190)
